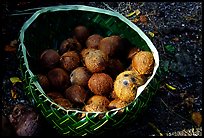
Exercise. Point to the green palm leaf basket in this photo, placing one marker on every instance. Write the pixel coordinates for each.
(46, 28)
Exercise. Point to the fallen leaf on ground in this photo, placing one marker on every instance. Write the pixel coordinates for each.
(151, 34)
(14, 80)
(143, 19)
(13, 94)
(130, 14)
(170, 87)
(9, 48)
(197, 118)
(135, 20)
(137, 12)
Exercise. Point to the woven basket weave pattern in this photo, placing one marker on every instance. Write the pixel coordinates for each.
(70, 122)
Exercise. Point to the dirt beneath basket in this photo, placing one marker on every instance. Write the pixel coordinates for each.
(175, 29)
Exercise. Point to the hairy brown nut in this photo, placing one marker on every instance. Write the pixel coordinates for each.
(81, 33)
(100, 84)
(76, 94)
(44, 82)
(94, 108)
(70, 44)
(133, 51)
(95, 61)
(110, 45)
(54, 95)
(113, 95)
(80, 76)
(143, 62)
(70, 60)
(85, 52)
(116, 103)
(98, 100)
(114, 67)
(25, 120)
(126, 84)
(49, 58)
(93, 41)
(63, 102)
(96, 103)
(59, 79)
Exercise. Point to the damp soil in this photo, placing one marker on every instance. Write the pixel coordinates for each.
(175, 28)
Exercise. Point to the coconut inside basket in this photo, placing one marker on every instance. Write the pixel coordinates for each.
(47, 28)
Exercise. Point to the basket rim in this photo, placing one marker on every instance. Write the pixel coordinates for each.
(22, 47)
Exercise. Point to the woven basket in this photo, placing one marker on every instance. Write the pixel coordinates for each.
(47, 28)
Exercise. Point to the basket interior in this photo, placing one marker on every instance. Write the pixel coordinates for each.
(51, 28)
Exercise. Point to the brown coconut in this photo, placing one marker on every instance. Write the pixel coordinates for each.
(126, 84)
(80, 76)
(100, 84)
(96, 103)
(63, 102)
(76, 94)
(70, 60)
(117, 103)
(70, 44)
(44, 82)
(54, 95)
(49, 58)
(143, 62)
(110, 45)
(59, 79)
(93, 41)
(95, 60)
(81, 33)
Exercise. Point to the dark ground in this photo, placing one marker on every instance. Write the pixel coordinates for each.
(177, 29)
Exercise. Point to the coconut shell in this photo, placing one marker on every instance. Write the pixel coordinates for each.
(44, 82)
(114, 67)
(80, 76)
(25, 120)
(117, 103)
(94, 108)
(133, 51)
(126, 84)
(59, 79)
(70, 60)
(110, 45)
(98, 100)
(76, 94)
(81, 33)
(70, 44)
(93, 41)
(54, 95)
(63, 102)
(100, 84)
(95, 61)
(49, 59)
(96, 103)
(85, 52)
(143, 62)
